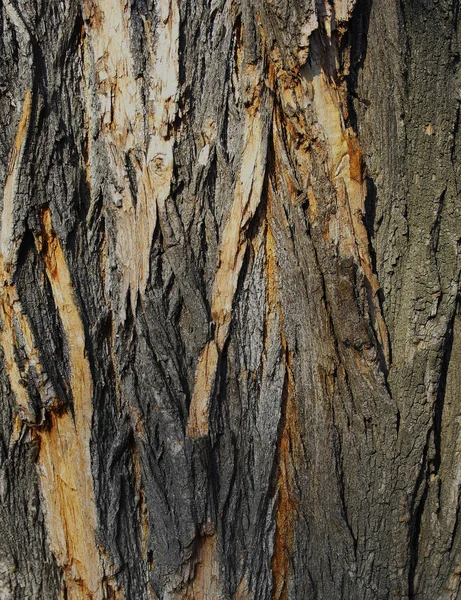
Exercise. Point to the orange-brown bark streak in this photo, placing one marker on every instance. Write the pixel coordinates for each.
(286, 501)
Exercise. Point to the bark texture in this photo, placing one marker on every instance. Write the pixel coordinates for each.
(230, 338)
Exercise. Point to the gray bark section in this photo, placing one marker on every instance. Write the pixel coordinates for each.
(407, 114)
(373, 466)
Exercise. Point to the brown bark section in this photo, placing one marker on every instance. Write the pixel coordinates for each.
(225, 362)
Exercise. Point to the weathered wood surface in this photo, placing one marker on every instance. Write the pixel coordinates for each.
(230, 338)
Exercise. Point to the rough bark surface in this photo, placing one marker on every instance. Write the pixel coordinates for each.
(230, 338)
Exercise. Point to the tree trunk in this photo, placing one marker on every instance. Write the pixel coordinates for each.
(230, 262)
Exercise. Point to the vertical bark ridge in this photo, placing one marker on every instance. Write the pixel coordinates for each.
(10, 300)
(247, 197)
(8, 245)
(319, 171)
(415, 132)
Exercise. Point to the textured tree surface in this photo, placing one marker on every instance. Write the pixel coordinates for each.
(229, 299)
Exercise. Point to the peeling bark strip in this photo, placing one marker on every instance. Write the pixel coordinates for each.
(229, 293)
(204, 581)
(17, 339)
(346, 172)
(285, 496)
(64, 461)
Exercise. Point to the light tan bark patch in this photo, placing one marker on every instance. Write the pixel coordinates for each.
(130, 133)
(204, 582)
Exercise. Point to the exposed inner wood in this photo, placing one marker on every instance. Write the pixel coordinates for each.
(347, 175)
(64, 461)
(204, 580)
(285, 501)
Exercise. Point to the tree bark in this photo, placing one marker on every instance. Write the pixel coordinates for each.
(230, 339)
